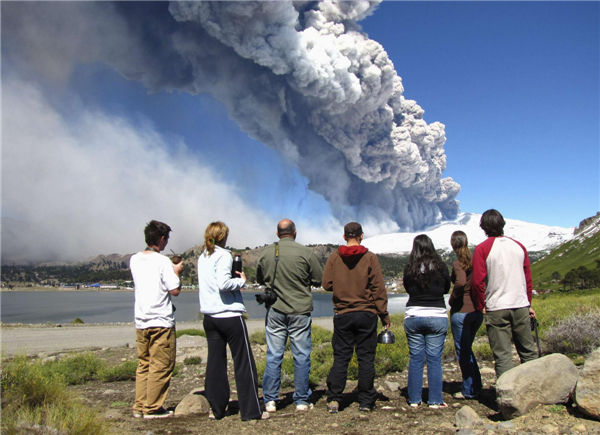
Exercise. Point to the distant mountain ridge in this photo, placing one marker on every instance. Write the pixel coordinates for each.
(535, 237)
(583, 249)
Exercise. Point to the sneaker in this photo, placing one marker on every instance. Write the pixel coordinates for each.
(366, 408)
(333, 407)
(415, 405)
(304, 407)
(211, 415)
(137, 414)
(438, 405)
(271, 406)
(161, 413)
(265, 416)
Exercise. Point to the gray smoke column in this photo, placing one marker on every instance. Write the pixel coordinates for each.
(336, 107)
(299, 76)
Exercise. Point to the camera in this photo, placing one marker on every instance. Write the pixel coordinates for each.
(268, 297)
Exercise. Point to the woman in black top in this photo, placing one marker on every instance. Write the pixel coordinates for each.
(426, 280)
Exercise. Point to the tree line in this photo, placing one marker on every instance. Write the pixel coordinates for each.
(580, 278)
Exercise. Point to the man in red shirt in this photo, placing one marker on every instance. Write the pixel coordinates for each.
(502, 289)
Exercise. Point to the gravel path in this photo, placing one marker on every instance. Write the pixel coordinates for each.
(32, 340)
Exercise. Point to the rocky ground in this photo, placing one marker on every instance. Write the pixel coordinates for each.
(114, 401)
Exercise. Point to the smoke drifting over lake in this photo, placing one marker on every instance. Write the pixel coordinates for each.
(300, 77)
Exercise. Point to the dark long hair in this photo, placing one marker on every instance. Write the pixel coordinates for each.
(423, 261)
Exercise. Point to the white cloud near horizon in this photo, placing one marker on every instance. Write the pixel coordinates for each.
(87, 186)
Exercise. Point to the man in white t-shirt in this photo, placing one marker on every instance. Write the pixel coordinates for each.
(156, 279)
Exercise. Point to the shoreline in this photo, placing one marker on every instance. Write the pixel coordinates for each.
(33, 340)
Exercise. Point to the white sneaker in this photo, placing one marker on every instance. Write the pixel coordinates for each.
(271, 406)
(304, 408)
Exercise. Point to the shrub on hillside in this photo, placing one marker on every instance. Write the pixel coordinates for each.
(578, 334)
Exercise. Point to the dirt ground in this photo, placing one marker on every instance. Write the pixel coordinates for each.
(114, 400)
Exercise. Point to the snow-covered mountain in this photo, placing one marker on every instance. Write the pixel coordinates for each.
(534, 237)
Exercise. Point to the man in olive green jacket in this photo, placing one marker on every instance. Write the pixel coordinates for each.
(291, 276)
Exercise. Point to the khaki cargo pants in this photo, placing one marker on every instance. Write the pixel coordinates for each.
(156, 349)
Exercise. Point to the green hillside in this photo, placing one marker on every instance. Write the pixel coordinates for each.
(581, 251)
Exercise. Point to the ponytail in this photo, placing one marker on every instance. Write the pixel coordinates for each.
(216, 233)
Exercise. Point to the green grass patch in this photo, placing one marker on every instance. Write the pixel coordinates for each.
(35, 400)
(74, 369)
(192, 332)
(258, 337)
(122, 372)
(192, 361)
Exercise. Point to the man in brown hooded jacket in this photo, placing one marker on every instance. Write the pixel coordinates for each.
(354, 275)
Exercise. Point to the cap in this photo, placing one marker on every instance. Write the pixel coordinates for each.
(353, 229)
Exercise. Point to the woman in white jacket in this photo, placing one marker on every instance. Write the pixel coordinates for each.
(222, 304)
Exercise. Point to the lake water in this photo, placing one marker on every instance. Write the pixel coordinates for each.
(116, 307)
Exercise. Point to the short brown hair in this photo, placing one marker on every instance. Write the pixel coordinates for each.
(353, 230)
(154, 231)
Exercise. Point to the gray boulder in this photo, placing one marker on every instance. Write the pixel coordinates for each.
(587, 391)
(547, 380)
(467, 418)
(193, 403)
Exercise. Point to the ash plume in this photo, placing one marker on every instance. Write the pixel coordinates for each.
(299, 76)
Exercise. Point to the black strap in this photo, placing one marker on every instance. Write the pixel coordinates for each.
(274, 273)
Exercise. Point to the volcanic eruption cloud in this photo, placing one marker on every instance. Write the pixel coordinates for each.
(299, 76)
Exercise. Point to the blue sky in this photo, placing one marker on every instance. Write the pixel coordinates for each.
(516, 85)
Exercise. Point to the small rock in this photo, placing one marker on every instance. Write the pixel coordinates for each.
(466, 432)
(363, 417)
(489, 427)
(387, 408)
(466, 418)
(549, 429)
(506, 425)
(107, 392)
(193, 403)
(447, 425)
(487, 371)
(456, 405)
(392, 386)
(123, 359)
(334, 425)
(579, 428)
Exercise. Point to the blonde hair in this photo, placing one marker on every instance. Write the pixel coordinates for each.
(460, 245)
(216, 232)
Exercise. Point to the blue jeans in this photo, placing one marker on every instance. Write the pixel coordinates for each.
(425, 336)
(279, 327)
(464, 328)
